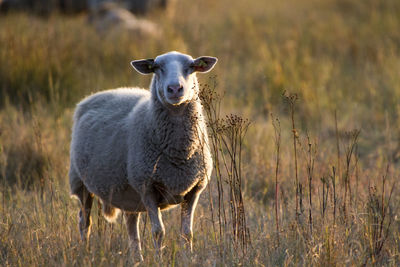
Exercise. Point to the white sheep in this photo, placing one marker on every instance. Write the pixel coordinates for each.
(144, 151)
(109, 18)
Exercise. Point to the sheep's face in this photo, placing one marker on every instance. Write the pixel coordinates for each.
(174, 75)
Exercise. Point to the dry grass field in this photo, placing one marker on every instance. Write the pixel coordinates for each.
(319, 162)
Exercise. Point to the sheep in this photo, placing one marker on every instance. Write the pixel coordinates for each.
(108, 18)
(141, 151)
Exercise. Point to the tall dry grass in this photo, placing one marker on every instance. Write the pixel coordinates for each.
(340, 57)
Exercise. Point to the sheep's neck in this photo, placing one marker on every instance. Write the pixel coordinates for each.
(178, 136)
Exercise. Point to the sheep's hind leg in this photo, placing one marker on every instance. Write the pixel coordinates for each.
(187, 211)
(132, 225)
(86, 199)
(149, 199)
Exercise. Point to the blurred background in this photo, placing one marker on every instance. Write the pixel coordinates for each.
(340, 57)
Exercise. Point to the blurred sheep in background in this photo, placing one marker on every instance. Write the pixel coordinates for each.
(110, 17)
(46, 7)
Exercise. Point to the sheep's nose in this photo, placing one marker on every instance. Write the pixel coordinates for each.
(175, 89)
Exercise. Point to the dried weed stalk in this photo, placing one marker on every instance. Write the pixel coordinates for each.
(277, 132)
(291, 99)
(226, 136)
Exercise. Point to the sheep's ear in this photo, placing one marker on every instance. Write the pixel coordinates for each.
(204, 64)
(143, 66)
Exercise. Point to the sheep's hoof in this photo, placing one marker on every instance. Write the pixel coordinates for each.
(187, 246)
(136, 252)
(85, 233)
(159, 253)
(138, 258)
(135, 260)
(187, 241)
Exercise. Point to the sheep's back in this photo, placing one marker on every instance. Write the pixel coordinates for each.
(116, 101)
(98, 146)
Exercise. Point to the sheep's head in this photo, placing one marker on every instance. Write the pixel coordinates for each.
(174, 77)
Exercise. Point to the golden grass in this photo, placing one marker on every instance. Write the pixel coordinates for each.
(338, 56)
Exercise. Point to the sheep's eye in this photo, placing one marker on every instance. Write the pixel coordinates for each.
(158, 68)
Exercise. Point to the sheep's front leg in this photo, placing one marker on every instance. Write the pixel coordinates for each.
(187, 211)
(132, 225)
(154, 212)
